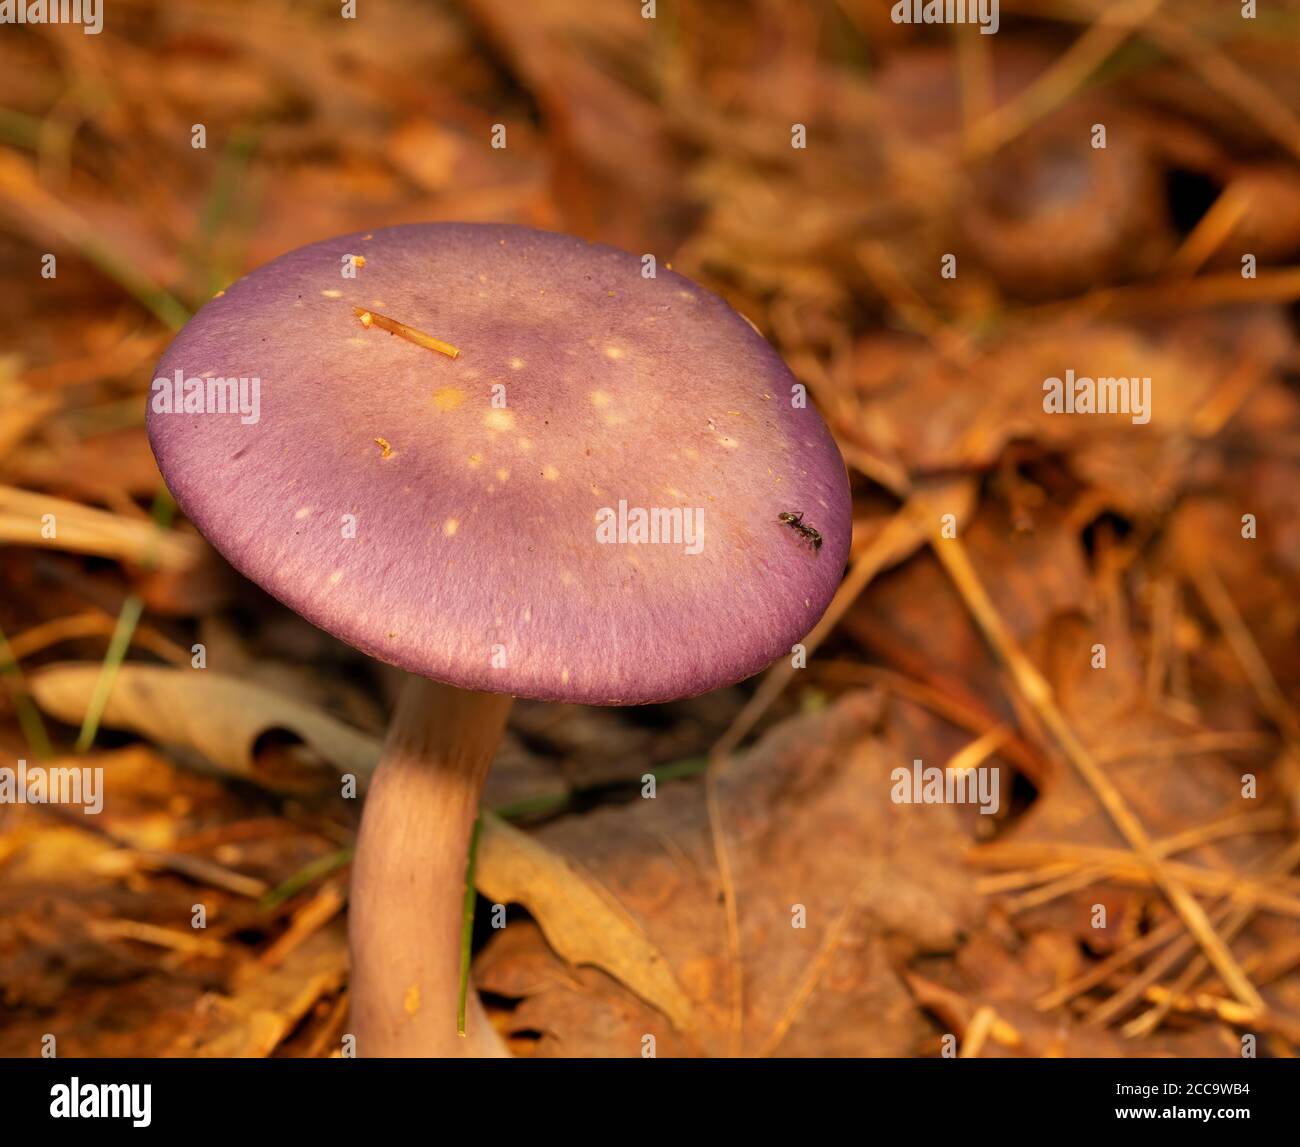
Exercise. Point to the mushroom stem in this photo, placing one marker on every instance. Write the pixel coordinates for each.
(408, 877)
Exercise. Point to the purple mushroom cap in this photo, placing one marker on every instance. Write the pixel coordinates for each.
(583, 506)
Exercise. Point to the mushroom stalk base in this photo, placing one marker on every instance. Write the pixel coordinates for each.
(408, 876)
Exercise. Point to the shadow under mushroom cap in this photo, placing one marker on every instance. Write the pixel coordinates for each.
(381, 493)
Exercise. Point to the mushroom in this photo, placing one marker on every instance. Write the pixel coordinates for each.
(514, 464)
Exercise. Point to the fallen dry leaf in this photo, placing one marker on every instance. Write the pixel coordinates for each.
(580, 920)
(813, 836)
(218, 717)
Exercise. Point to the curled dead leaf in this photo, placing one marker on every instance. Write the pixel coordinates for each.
(219, 717)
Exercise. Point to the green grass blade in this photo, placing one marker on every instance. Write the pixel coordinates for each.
(120, 642)
(467, 927)
(29, 716)
(306, 875)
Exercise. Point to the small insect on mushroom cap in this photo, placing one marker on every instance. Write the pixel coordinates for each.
(806, 532)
